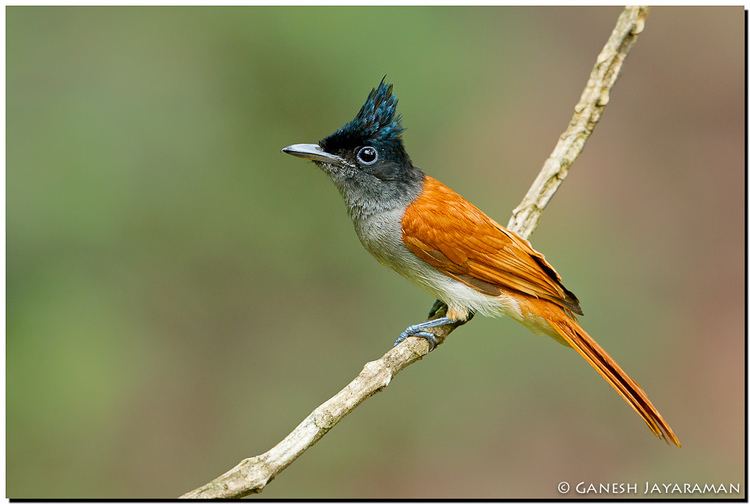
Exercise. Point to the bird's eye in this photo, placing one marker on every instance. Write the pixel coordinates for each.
(367, 155)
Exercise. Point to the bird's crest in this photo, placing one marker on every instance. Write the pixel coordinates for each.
(376, 121)
(377, 118)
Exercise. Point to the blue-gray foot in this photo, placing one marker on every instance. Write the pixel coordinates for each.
(419, 330)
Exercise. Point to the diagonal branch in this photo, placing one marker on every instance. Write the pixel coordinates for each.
(586, 115)
(253, 474)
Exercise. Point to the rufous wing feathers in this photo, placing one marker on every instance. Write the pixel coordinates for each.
(455, 237)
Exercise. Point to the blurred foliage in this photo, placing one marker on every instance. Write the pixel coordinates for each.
(180, 294)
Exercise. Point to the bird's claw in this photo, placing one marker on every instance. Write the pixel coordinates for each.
(416, 332)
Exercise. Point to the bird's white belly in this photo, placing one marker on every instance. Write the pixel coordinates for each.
(381, 236)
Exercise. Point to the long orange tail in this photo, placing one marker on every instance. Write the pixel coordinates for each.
(576, 337)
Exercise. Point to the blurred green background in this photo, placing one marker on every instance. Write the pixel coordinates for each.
(180, 294)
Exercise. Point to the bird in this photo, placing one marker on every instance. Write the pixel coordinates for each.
(433, 236)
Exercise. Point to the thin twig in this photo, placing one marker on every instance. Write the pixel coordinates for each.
(253, 474)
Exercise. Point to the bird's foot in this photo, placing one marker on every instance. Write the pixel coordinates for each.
(419, 331)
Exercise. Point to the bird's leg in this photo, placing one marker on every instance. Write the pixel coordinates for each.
(419, 331)
(437, 307)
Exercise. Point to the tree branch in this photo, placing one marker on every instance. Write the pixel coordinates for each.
(586, 115)
(253, 474)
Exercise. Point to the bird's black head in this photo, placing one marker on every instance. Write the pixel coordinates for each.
(372, 140)
(366, 157)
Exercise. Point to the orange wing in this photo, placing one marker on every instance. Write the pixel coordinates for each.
(455, 237)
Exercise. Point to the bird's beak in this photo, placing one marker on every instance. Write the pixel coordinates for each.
(313, 152)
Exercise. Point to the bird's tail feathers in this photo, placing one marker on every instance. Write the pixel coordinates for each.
(575, 336)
